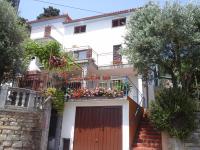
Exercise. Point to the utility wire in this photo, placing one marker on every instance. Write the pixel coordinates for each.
(69, 6)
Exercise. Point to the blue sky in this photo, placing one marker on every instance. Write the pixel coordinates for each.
(30, 9)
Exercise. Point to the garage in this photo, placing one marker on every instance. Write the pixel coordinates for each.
(98, 128)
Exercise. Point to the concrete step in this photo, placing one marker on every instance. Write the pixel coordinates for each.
(145, 148)
(143, 132)
(148, 145)
(148, 140)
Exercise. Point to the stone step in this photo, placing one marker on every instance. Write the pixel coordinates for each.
(144, 148)
(148, 145)
(144, 132)
(149, 137)
(149, 140)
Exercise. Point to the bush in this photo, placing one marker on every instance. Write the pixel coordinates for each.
(173, 111)
(57, 98)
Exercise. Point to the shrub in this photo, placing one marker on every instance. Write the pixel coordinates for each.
(173, 111)
(57, 98)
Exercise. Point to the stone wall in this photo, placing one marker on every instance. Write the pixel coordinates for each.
(20, 130)
(191, 143)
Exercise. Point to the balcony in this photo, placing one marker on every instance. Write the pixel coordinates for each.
(102, 87)
(83, 54)
(103, 61)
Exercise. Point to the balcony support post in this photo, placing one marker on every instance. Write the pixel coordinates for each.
(84, 74)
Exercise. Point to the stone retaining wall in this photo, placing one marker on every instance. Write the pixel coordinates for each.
(20, 130)
(191, 143)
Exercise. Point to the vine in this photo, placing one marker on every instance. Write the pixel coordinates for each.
(57, 97)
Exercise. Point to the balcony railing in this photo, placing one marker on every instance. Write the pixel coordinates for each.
(83, 53)
(20, 98)
(103, 60)
(95, 87)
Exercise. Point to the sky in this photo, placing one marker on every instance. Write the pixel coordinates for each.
(30, 9)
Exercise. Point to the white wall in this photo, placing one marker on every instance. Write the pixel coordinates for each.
(57, 30)
(69, 118)
(99, 34)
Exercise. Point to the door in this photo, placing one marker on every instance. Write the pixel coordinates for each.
(98, 128)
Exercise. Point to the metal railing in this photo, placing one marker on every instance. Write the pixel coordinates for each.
(103, 60)
(136, 95)
(104, 86)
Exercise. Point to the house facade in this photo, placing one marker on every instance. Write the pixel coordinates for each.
(97, 122)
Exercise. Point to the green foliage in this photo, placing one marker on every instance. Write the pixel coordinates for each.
(13, 3)
(167, 37)
(173, 111)
(57, 98)
(23, 22)
(42, 51)
(48, 12)
(12, 34)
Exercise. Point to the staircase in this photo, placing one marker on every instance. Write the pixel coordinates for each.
(148, 138)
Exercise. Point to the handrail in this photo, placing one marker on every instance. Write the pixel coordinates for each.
(139, 93)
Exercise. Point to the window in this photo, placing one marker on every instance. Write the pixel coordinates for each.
(118, 22)
(66, 144)
(117, 84)
(80, 29)
(117, 57)
(80, 55)
(47, 31)
(103, 85)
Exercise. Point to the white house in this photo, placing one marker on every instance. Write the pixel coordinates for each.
(97, 123)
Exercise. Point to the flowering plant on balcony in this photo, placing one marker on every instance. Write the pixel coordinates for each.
(97, 92)
(57, 61)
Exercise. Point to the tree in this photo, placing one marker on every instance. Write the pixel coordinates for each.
(167, 39)
(50, 54)
(48, 12)
(42, 50)
(12, 34)
(23, 22)
(14, 3)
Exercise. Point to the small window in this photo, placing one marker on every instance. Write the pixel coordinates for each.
(47, 31)
(80, 55)
(103, 85)
(79, 29)
(66, 144)
(116, 84)
(119, 22)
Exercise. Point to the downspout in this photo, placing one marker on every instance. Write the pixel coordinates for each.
(147, 94)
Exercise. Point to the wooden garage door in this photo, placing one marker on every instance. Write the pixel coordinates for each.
(98, 128)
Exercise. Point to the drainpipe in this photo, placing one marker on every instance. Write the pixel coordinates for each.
(147, 94)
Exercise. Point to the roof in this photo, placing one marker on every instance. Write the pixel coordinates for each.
(69, 19)
(51, 18)
(101, 16)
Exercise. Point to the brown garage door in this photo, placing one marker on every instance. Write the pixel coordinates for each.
(98, 128)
